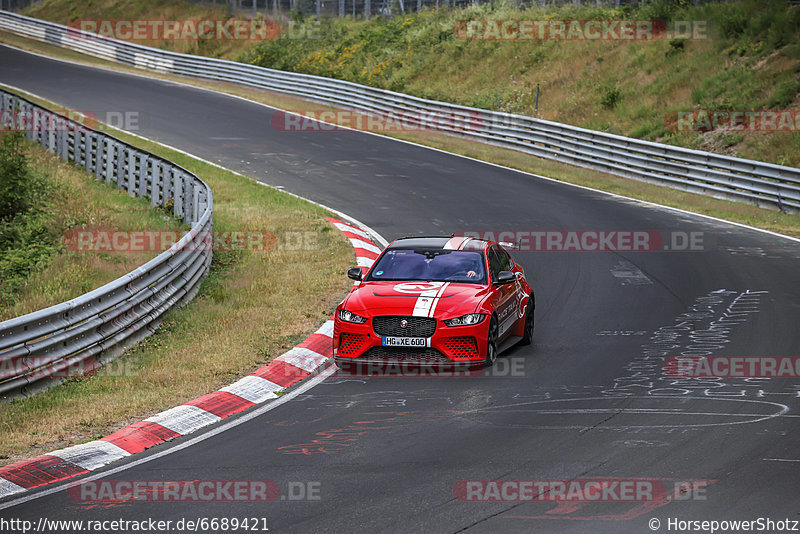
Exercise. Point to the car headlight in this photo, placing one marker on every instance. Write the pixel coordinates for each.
(465, 320)
(350, 317)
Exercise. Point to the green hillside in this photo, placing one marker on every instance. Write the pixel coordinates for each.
(749, 59)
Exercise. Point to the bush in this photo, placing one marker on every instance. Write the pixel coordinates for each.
(784, 95)
(676, 46)
(611, 97)
(18, 187)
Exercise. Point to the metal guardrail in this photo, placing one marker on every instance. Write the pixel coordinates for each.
(764, 184)
(76, 336)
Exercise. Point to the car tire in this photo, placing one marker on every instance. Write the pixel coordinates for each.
(527, 333)
(491, 343)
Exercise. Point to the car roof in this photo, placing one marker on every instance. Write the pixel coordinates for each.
(439, 243)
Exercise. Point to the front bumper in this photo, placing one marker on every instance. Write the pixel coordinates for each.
(457, 344)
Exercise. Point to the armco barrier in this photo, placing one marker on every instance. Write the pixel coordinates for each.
(710, 174)
(76, 336)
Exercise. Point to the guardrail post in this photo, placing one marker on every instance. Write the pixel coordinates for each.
(143, 174)
(155, 183)
(41, 131)
(130, 155)
(52, 140)
(202, 202)
(86, 150)
(177, 193)
(188, 199)
(100, 161)
(64, 142)
(29, 131)
(119, 157)
(195, 204)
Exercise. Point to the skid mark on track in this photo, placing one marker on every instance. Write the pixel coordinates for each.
(628, 274)
(335, 440)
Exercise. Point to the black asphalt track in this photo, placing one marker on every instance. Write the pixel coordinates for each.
(587, 401)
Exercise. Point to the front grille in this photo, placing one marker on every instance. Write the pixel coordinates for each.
(389, 325)
(351, 343)
(461, 347)
(402, 354)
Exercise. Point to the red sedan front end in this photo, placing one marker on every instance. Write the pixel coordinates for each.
(431, 301)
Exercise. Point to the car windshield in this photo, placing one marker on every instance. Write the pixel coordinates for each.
(431, 265)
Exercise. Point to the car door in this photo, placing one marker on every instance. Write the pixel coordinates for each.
(504, 294)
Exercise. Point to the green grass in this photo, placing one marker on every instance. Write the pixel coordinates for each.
(732, 211)
(751, 60)
(252, 307)
(37, 269)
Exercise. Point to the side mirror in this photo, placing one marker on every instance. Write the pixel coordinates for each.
(506, 277)
(354, 273)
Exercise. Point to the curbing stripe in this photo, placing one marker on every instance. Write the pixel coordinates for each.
(184, 419)
(254, 388)
(9, 488)
(221, 403)
(39, 471)
(327, 328)
(366, 253)
(349, 229)
(319, 343)
(308, 358)
(282, 374)
(140, 436)
(305, 359)
(364, 262)
(91, 455)
(360, 244)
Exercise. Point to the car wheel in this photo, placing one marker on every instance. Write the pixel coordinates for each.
(527, 334)
(491, 343)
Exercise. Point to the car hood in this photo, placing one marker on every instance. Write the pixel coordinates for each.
(424, 299)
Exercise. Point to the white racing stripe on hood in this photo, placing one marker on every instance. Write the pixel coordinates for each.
(426, 302)
(456, 243)
(438, 296)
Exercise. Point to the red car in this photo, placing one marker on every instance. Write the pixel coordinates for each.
(434, 300)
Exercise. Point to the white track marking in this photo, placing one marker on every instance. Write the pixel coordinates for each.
(343, 215)
(225, 425)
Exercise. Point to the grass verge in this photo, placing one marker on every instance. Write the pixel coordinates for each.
(732, 211)
(742, 55)
(37, 269)
(252, 307)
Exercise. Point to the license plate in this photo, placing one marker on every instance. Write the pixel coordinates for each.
(406, 342)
